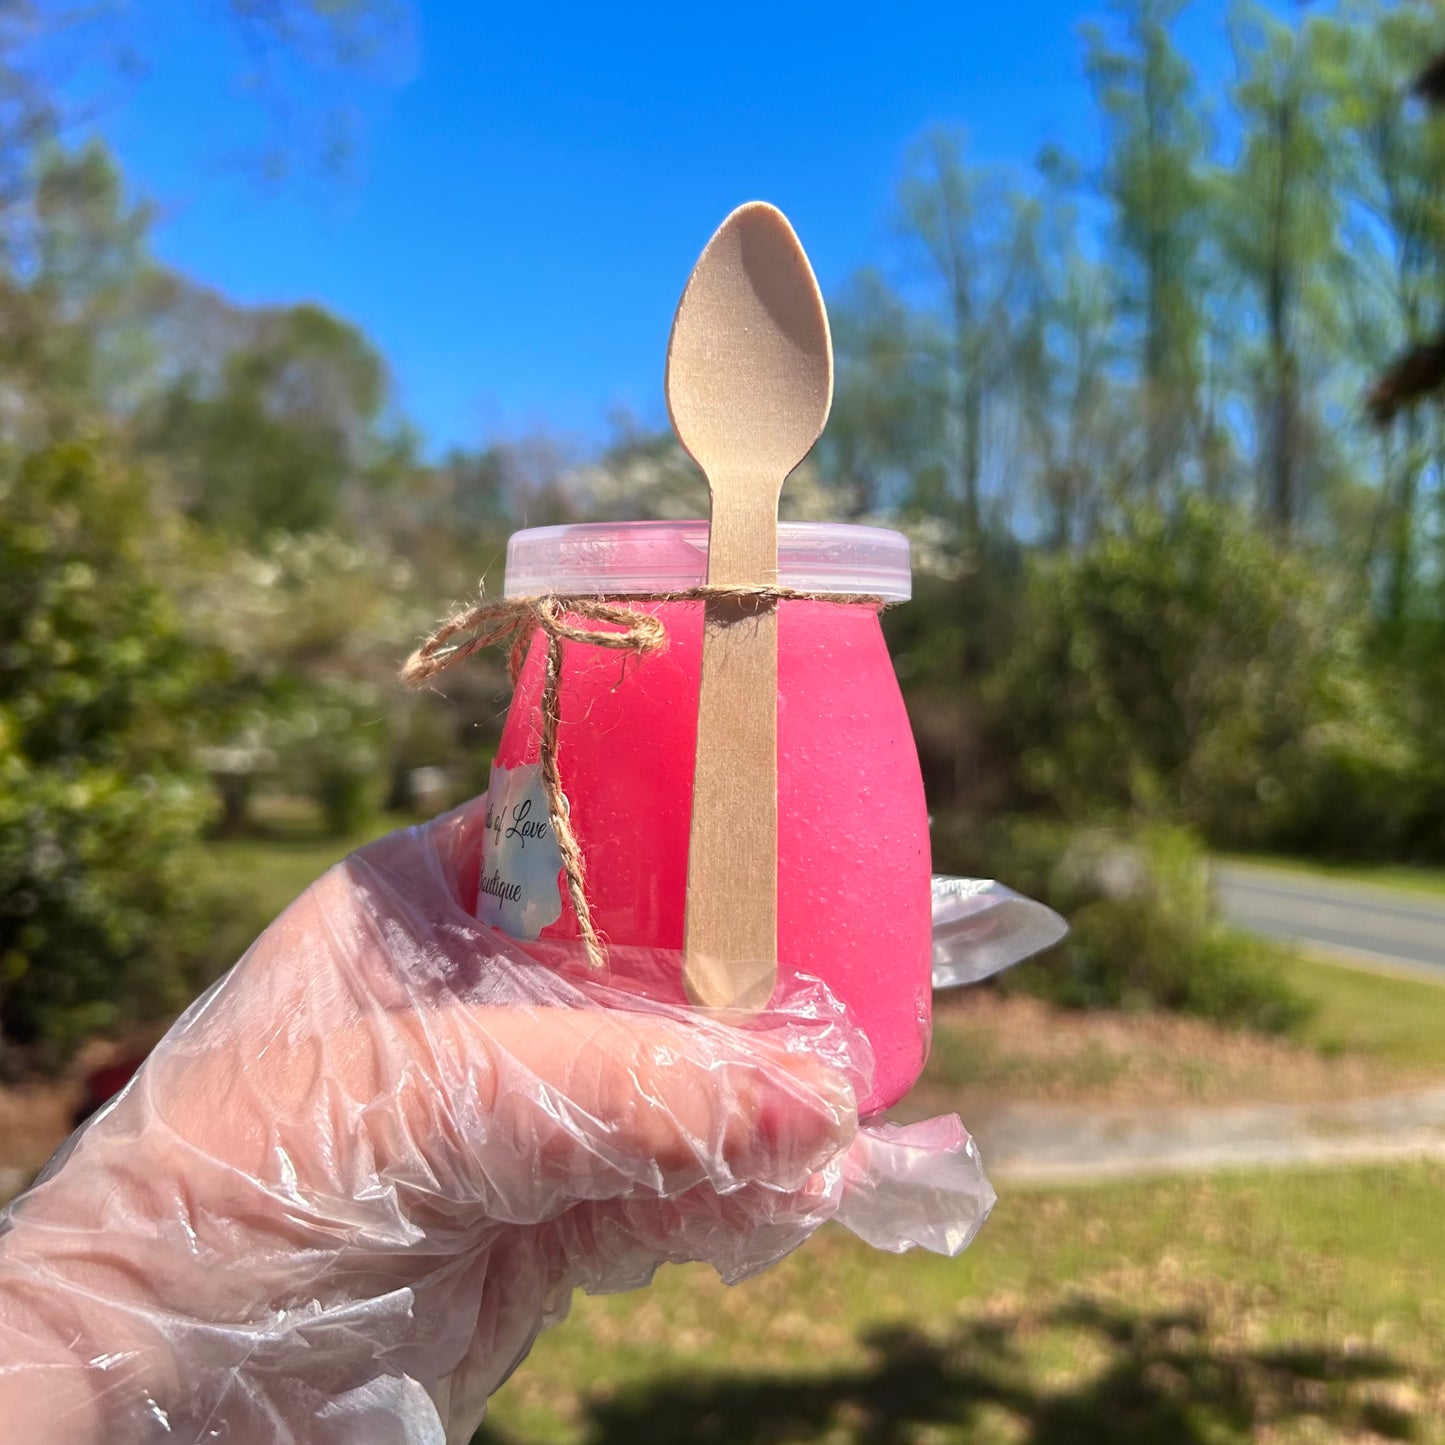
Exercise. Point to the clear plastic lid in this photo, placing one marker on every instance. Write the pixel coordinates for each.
(611, 559)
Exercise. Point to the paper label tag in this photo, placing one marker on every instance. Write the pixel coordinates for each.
(521, 861)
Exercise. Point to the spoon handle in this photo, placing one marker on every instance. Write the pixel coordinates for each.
(742, 539)
(732, 863)
(731, 945)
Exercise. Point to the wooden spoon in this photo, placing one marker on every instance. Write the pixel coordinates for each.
(749, 385)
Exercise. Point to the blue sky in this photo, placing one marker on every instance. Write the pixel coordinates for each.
(534, 182)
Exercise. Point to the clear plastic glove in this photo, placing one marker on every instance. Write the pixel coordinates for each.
(358, 1177)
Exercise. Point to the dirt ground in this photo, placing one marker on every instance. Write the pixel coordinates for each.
(993, 1049)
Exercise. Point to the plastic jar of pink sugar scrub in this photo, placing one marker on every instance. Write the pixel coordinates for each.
(854, 897)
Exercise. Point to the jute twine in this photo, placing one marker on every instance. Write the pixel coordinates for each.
(510, 622)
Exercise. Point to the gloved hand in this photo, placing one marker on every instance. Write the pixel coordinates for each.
(359, 1176)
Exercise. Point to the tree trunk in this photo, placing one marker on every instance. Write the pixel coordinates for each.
(972, 458)
(1281, 501)
(234, 790)
(1400, 522)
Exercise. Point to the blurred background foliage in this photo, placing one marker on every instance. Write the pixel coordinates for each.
(1175, 589)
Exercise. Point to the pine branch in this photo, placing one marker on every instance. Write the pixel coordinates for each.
(1421, 370)
(1418, 373)
(1430, 83)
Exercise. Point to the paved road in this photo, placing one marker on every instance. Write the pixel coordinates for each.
(1377, 924)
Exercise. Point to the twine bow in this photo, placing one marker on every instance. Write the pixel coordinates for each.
(511, 621)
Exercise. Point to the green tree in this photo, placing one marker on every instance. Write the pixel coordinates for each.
(879, 448)
(284, 430)
(961, 222)
(1183, 668)
(1073, 424)
(77, 336)
(1157, 141)
(1278, 217)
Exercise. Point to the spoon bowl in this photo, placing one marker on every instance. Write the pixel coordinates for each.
(750, 360)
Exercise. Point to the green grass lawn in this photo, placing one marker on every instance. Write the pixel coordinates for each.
(1384, 875)
(1285, 1307)
(272, 871)
(1395, 1018)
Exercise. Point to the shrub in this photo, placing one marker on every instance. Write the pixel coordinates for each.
(98, 914)
(1143, 930)
(99, 917)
